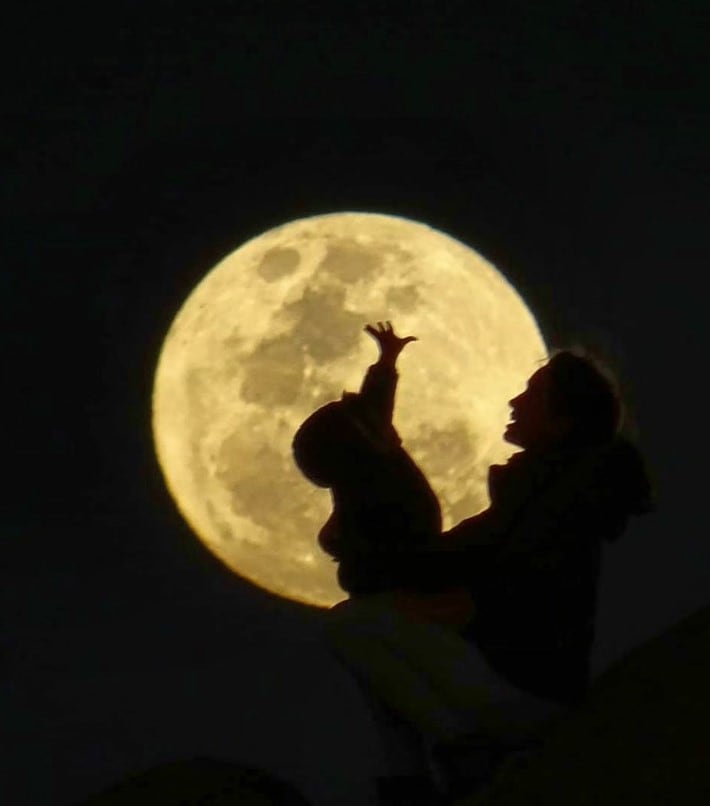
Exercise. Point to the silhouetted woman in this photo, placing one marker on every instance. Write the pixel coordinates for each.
(531, 561)
(530, 564)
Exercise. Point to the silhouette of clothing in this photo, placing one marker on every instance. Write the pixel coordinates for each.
(381, 499)
(426, 672)
(531, 562)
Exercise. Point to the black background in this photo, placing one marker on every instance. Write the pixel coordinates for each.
(145, 142)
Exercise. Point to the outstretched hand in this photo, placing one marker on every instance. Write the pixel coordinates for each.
(389, 343)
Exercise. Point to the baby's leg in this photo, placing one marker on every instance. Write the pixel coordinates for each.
(421, 671)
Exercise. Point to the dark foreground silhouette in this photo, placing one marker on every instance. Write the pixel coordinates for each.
(200, 781)
(466, 633)
(640, 736)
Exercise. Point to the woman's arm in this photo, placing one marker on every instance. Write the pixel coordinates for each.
(458, 557)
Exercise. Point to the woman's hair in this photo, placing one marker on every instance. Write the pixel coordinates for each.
(585, 393)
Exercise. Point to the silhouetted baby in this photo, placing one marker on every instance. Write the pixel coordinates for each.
(381, 499)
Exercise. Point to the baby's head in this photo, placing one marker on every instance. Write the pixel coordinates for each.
(328, 444)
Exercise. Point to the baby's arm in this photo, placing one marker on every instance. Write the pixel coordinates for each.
(379, 385)
(389, 343)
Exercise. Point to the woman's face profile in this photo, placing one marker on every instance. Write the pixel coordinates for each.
(532, 420)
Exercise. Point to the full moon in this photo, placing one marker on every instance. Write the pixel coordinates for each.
(276, 329)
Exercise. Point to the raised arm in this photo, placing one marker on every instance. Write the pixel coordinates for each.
(390, 344)
(380, 382)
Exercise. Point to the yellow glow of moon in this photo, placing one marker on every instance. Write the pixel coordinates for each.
(276, 329)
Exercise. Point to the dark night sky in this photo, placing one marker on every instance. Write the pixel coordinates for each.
(143, 143)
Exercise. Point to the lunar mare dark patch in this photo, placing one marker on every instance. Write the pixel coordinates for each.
(439, 449)
(323, 326)
(248, 470)
(404, 297)
(273, 373)
(398, 252)
(444, 447)
(221, 527)
(348, 261)
(278, 262)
